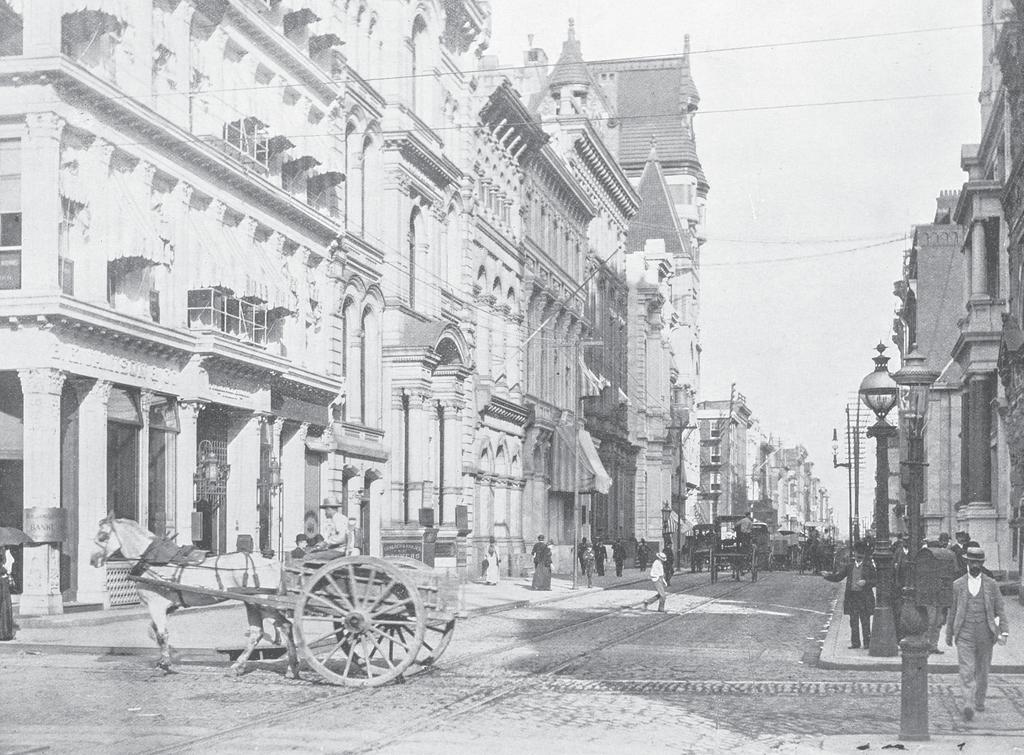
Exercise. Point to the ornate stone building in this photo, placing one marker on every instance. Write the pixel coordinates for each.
(929, 291)
(605, 115)
(262, 295)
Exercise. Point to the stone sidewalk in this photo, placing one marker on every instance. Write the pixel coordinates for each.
(836, 653)
(206, 633)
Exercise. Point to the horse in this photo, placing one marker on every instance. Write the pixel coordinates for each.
(240, 570)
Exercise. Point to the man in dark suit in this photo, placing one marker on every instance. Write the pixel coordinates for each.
(977, 620)
(858, 598)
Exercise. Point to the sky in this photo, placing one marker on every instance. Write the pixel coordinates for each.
(838, 187)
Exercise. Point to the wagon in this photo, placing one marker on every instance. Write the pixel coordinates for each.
(701, 542)
(729, 553)
(356, 621)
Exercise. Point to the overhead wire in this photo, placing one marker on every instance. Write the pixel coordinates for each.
(593, 62)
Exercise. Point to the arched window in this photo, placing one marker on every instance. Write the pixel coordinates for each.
(418, 63)
(370, 369)
(415, 235)
(351, 349)
(353, 177)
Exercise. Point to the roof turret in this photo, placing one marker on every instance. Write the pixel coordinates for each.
(570, 69)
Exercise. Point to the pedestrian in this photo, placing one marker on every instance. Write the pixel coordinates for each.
(6, 610)
(959, 548)
(599, 556)
(658, 578)
(541, 564)
(492, 574)
(301, 547)
(641, 554)
(858, 597)
(586, 558)
(977, 620)
(618, 555)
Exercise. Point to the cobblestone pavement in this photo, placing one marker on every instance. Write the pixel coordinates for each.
(727, 668)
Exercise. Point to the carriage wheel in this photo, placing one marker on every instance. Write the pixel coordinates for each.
(753, 565)
(435, 640)
(358, 622)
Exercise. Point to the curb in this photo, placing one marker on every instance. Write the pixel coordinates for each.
(892, 664)
(514, 604)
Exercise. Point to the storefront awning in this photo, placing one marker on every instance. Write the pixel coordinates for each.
(592, 475)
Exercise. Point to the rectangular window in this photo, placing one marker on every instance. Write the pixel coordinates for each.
(10, 214)
(991, 226)
(213, 309)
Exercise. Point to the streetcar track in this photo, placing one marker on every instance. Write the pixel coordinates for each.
(464, 660)
(453, 710)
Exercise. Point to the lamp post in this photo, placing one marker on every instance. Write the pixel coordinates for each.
(879, 393)
(269, 487)
(917, 379)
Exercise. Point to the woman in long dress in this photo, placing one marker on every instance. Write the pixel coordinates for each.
(493, 575)
(6, 611)
(542, 565)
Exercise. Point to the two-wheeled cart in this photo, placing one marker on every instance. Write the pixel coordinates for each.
(356, 621)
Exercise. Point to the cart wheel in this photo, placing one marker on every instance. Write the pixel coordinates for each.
(435, 640)
(753, 566)
(358, 622)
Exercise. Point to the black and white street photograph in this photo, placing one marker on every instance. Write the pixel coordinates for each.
(501, 377)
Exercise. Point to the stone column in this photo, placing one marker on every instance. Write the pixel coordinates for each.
(145, 402)
(40, 203)
(240, 507)
(451, 496)
(93, 396)
(185, 467)
(41, 389)
(419, 453)
(293, 471)
(376, 498)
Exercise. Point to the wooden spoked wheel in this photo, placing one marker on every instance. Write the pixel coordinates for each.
(435, 640)
(359, 622)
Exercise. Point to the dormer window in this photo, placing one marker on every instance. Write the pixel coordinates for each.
(248, 136)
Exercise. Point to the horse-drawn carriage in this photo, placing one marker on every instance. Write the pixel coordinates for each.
(785, 550)
(354, 620)
(701, 542)
(731, 551)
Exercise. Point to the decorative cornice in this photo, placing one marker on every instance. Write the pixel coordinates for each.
(86, 90)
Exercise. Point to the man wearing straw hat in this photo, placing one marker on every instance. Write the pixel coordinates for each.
(977, 620)
(658, 578)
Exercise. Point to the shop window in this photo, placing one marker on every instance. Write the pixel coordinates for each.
(10, 214)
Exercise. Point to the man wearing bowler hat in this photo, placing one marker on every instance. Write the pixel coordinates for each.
(858, 598)
(977, 620)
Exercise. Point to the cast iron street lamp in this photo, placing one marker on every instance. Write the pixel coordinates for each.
(917, 379)
(879, 393)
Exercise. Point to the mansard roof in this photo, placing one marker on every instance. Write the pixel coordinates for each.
(655, 98)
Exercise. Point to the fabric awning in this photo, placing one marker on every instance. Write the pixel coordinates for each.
(143, 237)
(592, 475)
(221, 260)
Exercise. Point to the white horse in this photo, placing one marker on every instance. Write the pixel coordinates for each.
(243, 571)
